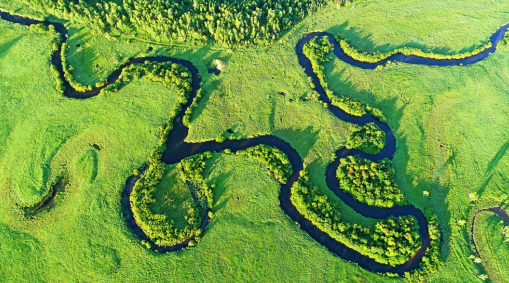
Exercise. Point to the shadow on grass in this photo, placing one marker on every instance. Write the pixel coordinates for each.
(4, 48)
(301, 140)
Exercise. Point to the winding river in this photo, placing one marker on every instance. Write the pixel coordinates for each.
(497, 210)
(178, 149)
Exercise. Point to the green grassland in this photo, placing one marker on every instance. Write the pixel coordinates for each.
(173, 198)
(494, 252)
(450, 124)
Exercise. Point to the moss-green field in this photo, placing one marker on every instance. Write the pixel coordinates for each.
(492, 245)
(450, 124)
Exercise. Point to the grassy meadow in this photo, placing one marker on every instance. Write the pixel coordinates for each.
(494, 252)
(450, 125)
(173, 198)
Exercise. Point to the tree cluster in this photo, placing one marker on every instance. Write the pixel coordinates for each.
(391, 241)
(315, 50)
(192, 172)
(274, 160)
(370, 182)
(170, 74)
(368, 138)
(158, 227)
(431, 260)
(55, 45)
(226, 22)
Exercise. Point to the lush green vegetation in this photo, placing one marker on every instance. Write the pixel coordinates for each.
(490, 236)
(426, 108)
(504, 41)
(375, 57)
(55, 45)
(225, 22)
(157, 226)
(316, 50)
(368, 138)
(370, 182)
(391, 241)
(170, 74)
(273, 159)
(449, 144)
(192, 171)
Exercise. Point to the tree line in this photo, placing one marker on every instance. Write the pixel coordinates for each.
(227, 22)
(390, 241)
(370, 182)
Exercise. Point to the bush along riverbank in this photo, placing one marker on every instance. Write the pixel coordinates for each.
(432, 259)
(370, 182)
(368, 138)
(157, 226)
(273, 159)
(375, 57)
(315, 50)
(390, 241)
(56, 42)
(225, 23)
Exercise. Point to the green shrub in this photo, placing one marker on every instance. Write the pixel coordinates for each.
(368, 138)
(431, 260)
(39, 28)
(189, 111)
(370, 182)
(273, 159)
(220, 139)
(227, 23)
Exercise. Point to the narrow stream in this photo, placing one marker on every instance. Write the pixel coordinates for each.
(497, 210)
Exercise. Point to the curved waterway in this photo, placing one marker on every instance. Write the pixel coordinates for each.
(497, 210)
(178, 149)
